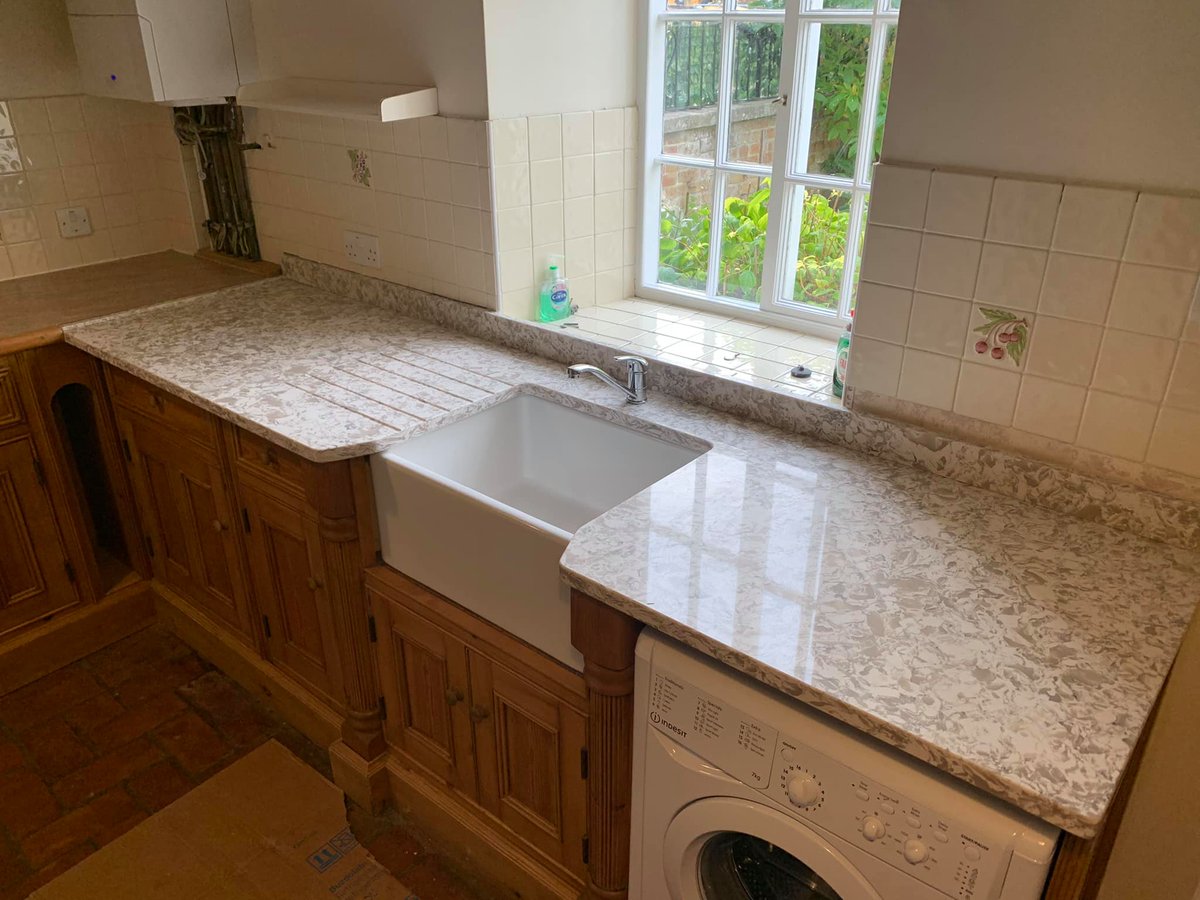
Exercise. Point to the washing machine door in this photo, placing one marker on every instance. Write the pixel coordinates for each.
(724, 848)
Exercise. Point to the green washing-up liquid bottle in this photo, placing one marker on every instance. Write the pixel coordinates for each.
(841, 359)
(554, 297)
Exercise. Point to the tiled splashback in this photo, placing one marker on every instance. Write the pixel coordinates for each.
(421, 186)
(1069, 316)
(566, 188)
(119, 159)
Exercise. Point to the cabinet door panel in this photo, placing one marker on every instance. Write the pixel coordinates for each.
(184, 503)
(423, 671)
(289, 579)
(33, 575)
(528, 746)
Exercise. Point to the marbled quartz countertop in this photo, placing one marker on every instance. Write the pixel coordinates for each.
(1018, 649)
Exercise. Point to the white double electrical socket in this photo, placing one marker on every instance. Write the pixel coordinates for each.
(362, 249)
(73, 221)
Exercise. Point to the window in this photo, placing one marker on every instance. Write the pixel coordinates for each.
(774, 117)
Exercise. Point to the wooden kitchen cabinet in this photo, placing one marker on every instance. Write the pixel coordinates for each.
(188, 519)
(288, 574)
(501, 725)
(36, 578)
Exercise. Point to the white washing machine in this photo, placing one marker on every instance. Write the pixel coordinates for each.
(742, 794)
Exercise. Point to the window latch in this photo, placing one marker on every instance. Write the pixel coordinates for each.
(781, 100)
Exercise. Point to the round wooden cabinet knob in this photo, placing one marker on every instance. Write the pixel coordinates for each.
(453, 696)
(219, 526)
(313, 584)
(268, 459)
(479, 713)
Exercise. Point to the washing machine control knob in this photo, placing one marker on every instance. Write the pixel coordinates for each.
(873, 829)
(915, 851)
(803, 790)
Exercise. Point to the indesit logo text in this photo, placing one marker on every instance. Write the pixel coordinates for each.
(670, 726)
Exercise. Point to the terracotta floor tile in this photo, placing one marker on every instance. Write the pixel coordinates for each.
(158, 786)
(86, 717)
(10, 756)
(244, 721)
(25, 803)
(48, 873)
(47, 697)
(99, 821)
(429, 879)
(192, 742)
(157, 678)
(54, 749)
(133, 723)
(118, 662)
(92, 780)
(397, 851)
(13, 867)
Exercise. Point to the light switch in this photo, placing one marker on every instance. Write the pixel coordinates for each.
(73, 221)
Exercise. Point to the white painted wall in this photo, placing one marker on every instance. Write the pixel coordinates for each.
(552, 56)
(397, 41)
(37, 57)
(1078, 90)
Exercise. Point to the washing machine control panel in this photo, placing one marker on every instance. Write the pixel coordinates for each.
(873, 816)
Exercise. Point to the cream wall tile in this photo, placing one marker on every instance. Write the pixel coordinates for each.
(583, 290)
(581, 256)
(1077, 287)
(66, 113)
(468, 230)
(1023, 212)
(6, 270)
(546, 180)
(609, 127)
(948, 265)
(631, 127)
(987, 393)
(514, 229)
(548, 222)
(608, 286)
(73, 148)
(890, 256)
(439, 222)
(412, 217)
(437, 180)
(1010, 276)
(1118, 426)
(577, 134)
(882, 312)
(464, 185)
(380, 136)
(1064, 350)
(928, 378)
(938, 324)
(545, 137)
(28, 258)
(463, 139)
(1049, 408)
(38, 151)
(80, 182)
(434, 140)
(1134, 365)
(406, 135)
(874, 366)
(610, 175)
(1184, 389)
(579, 176)
(579, 217)
(1176, 442)
(608, 252)
(1165, 232)
(512, 185)
(17, 225)
(510, 141)
(411, 176)
(898, 196)
(958, 204)
(1093, 221)
(46, 185)
(609, 211)
(29, 116)
(1151, 299)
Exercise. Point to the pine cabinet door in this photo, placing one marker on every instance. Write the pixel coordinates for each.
(35, 579)
(288, 573)
(184, 503)
(529, 747)
(423, 674)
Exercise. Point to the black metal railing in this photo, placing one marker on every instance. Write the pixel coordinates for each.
(693, 63)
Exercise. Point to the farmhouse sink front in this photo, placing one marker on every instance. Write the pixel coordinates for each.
(481, 509)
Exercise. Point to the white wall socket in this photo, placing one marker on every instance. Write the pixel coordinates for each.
(362, 249)
(73, 221)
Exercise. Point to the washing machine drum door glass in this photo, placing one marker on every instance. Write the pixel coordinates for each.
(734, 866)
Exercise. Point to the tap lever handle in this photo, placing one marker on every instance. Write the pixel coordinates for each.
(635, 363)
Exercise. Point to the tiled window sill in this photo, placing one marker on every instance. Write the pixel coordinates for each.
(727, 347)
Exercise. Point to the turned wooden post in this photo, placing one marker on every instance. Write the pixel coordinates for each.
(333, 495)
(607, 639)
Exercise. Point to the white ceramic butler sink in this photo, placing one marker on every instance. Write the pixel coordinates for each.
(481, 509)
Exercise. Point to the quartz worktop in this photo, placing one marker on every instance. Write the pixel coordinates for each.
(34, 309)
(1018, 649)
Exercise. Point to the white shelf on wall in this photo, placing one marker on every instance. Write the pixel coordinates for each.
(345, 99)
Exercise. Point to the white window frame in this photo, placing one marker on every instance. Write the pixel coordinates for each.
(802, 20)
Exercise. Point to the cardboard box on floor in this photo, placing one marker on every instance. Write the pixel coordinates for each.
(266, 827)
